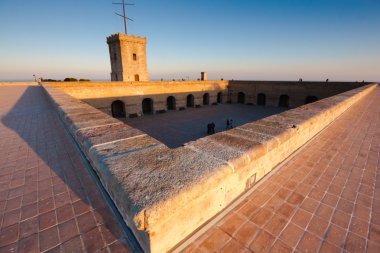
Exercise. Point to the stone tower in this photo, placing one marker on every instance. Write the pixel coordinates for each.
(128, 58)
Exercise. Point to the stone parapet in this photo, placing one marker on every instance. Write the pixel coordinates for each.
(164, 194)
(94, 90)
(18, 83)
(125, 37)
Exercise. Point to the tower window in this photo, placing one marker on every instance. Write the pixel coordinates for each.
(134, 57)
(137, 78)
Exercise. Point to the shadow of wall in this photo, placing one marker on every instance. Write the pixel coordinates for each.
(53, 170)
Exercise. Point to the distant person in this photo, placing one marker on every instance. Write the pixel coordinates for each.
(212, 127)
(327, 80)
(227, 124)
(208, 128)
(231, 124)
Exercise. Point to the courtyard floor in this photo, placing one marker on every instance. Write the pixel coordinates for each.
(175, 128)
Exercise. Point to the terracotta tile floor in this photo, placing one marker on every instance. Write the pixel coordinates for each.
(325, 199)
(48, 201)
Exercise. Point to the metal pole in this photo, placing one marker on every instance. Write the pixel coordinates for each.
(125, 21)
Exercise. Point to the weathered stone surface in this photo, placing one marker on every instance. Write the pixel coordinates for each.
(154, 175)
(154, 187)
(86, 120)
(123, 146)
(235, 157)
(106, 133)
(281, 132)
(266, 142)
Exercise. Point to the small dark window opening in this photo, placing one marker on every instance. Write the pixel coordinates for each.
(114, 56)
(134, 57)
(137, 78)
(118, 109)
(190, 101)
(261, 99)
(241, 98)
(170, 103)
(220, 97)
(284, 101)
(206, 99)
(147, 106)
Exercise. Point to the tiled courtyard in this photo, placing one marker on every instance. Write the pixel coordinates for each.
(48, 200)
(325, 199)
(175, 128)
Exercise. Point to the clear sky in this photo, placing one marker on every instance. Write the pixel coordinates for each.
(241, 39)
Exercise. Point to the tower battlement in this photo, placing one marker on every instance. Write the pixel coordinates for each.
(124, 37)
(128, 57)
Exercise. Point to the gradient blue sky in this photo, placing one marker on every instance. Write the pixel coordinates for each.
(243, 39)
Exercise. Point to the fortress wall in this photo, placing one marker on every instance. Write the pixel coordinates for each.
(101, 94)
(165, 194)
(133, 103)
(93, 90)
(297, 91)
(18, 83)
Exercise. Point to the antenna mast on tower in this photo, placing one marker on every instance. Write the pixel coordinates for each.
(124, 16)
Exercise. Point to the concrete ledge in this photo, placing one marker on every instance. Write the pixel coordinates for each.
(18, 83)
(165, 194)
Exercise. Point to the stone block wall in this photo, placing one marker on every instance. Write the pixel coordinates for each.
(18, 83)
(101, 95)
(297, 91)
(128, 57)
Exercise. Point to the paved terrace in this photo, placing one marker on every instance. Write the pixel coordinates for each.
(324, 199)
(48, 200)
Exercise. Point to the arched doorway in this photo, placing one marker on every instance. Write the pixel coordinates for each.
(118, 109)
(310, 99)
(241, 98)
(206, 99)
(284, 101)
(261, 99)
(137, 78)
(170, 103)
(220, 97)
(147, 106)
(190, 101)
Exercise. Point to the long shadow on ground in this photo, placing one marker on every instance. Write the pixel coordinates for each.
(51, 171)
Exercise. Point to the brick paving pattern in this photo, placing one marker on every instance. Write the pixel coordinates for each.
(48, 201)
(325, 199)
